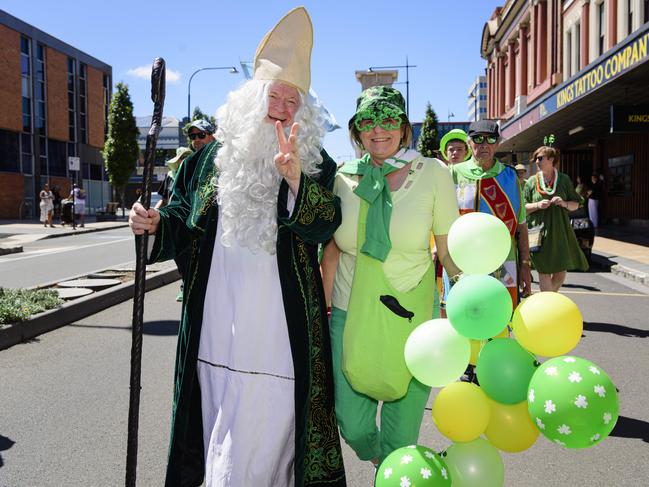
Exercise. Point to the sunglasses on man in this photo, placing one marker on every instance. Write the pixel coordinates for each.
(480, 139)
(197, 135)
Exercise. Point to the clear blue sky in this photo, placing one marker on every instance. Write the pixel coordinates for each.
(442, 38)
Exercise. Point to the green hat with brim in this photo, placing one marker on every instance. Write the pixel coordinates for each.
(181, 153)
(383, 100)
(455, 134)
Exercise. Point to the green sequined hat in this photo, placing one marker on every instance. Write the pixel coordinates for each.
(379, 99)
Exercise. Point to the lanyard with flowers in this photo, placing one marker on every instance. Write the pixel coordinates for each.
(542, 188)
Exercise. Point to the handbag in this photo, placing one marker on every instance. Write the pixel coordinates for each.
(535, 236)
(379, 321)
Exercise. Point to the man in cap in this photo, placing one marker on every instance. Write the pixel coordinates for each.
(253, 400)
(485, 184)
(201, 133)
(455, 147)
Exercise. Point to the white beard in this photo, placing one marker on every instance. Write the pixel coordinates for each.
(247, 189)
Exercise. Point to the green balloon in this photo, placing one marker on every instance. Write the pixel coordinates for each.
(573, 402)
(475, 463)
(479, 306)
(413, 466)
(479, 243)
(504, 370)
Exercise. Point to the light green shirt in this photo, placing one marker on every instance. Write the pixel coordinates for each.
(424, 203)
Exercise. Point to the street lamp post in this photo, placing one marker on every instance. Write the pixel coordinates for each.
(232, 69)
(407, 67)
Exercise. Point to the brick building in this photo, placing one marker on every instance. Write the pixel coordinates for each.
(578, 69)
(54, 101)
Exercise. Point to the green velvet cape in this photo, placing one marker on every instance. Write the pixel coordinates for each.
(189, 222)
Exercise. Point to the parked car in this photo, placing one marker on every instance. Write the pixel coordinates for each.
(584, 230)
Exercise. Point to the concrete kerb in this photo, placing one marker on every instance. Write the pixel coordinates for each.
(80, 308)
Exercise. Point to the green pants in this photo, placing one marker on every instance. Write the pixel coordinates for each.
(356, 413)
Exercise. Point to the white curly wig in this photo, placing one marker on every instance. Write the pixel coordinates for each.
(247, 182)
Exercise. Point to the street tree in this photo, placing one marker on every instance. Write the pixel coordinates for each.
(121, 150)
(428, 141)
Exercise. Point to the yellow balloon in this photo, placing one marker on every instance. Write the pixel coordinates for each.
(510, 427)
(504, 333)
(548, 324)
(461, 411)
(476, 345)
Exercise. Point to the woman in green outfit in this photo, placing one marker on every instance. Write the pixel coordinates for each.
(392, 199)
(549, 197)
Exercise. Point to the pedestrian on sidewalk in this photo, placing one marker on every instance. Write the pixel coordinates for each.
(79, 196)
(46, 206)
(253, 395)
(549, 197)
(56, 213)
(594, 194)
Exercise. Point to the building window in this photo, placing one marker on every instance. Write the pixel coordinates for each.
(620, 172)
(72, 105)
(26, 82)
(577, 42)
(106, 103)
(646, 11)
(601, 28)
(82, 104)
(9, 151)
(40, 119)
(569, 52)
(629, 16)
(58, 158)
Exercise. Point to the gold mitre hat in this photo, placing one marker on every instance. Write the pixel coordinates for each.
(284, 54)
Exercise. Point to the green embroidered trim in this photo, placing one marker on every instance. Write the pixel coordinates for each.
(323, 457)
(207, 181)
(316, 202)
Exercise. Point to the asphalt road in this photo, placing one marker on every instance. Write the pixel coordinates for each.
(46, 260)
(64, 400)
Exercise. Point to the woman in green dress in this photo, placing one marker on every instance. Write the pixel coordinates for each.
(549, 197)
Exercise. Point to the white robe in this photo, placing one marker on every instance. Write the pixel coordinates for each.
(246, 375)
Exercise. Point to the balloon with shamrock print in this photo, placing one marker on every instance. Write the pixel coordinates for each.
(413, 466)
(573, 402)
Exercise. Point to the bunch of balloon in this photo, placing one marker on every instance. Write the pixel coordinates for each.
(480, 308)
(572, 401)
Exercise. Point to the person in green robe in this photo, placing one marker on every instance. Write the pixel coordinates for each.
(253, 394)
(549, 197)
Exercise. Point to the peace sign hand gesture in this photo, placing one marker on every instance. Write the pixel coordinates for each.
(287, 160)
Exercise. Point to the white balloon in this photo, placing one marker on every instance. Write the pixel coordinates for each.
(436, 354)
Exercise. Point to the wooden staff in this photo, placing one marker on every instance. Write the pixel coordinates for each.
(141, 241)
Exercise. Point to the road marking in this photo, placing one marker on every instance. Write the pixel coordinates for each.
(46, 253)
(601, 293)
(597, 293)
